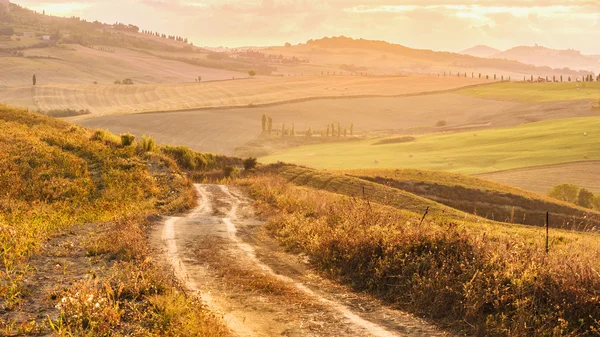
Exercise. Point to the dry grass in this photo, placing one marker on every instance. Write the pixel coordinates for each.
(56, 175)
(102, 99)
(485, 279)
(450, 195)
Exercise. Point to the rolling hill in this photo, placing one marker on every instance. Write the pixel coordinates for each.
(481, 51)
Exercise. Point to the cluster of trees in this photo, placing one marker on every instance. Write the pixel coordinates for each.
(574, 194)
(126, 28)
(165, 36)
(331, 131)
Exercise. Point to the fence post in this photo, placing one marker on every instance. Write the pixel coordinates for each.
(547, 228)
(424, 215)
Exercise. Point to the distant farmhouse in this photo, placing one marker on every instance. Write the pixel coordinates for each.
(4, 6)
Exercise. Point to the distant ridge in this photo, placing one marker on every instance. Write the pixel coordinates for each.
(481, 51)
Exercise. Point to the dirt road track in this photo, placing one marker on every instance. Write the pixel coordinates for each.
(221, 254)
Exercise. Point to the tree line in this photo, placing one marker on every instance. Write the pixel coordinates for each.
(332, 130)
(165, 36)
(575, 195)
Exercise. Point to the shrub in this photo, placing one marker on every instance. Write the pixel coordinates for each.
(147, 144)
(252, 73)
(66, 112)
(441, 123)
(231, 171)
(127, 139)
(565, 192)
(249, 163)
(585, 198)
(118, 82)
(106, 137)
(128, 81)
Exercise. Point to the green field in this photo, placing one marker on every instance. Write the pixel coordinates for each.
(534, 144)
(536, 92)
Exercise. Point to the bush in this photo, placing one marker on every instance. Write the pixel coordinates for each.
(231, 171)
(127, 139)
(252, 73)
(249, 163)
(66, 112)
(441, 123)
(565, 192)
(147, 144)
(128, 81)
(585, 198)
(118, 82)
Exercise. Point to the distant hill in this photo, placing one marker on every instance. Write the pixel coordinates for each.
(481, 51)
(554, 58)
(382, 56)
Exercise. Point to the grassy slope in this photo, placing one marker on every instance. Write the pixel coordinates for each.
(480, 277)
(124, 99)
(76, 64)
(537, 92)
(533, 144)
(54, 176)
(486, 198)
(449, 195)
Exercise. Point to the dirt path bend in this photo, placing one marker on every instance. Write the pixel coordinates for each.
(222, 254)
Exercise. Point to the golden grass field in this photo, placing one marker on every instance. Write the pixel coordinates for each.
(76, 64)
(103, 99)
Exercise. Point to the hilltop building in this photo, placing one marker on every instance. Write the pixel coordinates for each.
(4, 6)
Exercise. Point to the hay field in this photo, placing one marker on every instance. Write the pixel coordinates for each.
(75, 64)
(533, 144)
(221, 131)
(103, 99)
(536, 92)
(541, 179)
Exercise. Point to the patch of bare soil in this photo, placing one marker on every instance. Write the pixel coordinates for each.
(221, 253)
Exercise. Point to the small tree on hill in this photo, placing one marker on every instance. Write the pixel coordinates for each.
(249, 163)
(565, 192)
(269, 125)
(585, 198)
(34, 79)
(569, 78)
(561, 78)
(264, 122)
(252, 73)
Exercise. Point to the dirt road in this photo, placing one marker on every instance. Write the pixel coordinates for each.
(221, 253)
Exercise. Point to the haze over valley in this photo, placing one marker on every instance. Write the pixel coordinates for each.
(299, 168)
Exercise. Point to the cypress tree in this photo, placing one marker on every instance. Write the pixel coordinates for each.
(269, 125)
(34, 79)
(264, 122)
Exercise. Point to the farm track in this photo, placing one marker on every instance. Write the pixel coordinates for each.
(221, 253)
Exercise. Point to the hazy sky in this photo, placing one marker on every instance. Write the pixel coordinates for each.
(433, 24)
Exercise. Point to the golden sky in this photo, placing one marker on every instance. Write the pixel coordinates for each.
(451, 25)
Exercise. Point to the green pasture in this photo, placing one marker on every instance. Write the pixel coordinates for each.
(534, 144)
